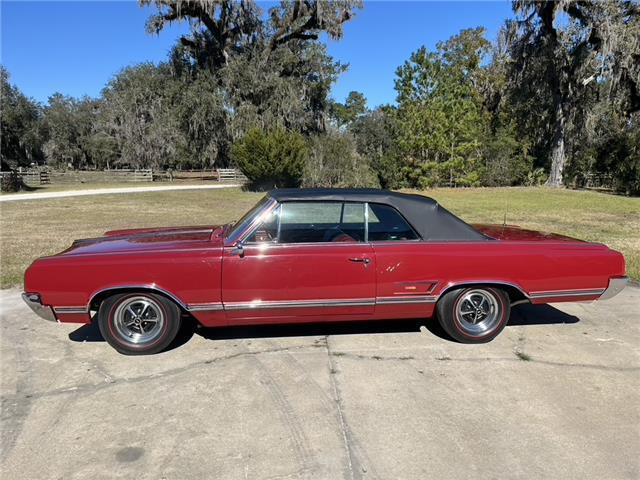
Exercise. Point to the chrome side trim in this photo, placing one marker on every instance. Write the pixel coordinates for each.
(520, 302)
(566, 293)
(360, 302)
(35, 304)
(269, 245)
(142, 286)
(616, 285)
(205, 307)
(70, 310)
(406, 300)
(366, 221)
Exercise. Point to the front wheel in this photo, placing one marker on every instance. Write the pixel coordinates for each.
(138, 323)
(474, 315)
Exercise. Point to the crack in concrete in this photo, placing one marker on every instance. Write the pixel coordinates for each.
(533, 360)
(110, 382)
(341, 419)
(371, 357)
(94, 387)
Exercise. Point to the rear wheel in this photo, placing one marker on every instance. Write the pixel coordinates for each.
(474, 315)
(138, 323)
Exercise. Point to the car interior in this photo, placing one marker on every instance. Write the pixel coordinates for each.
(313, 222)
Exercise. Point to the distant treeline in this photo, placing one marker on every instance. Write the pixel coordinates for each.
(555, 99)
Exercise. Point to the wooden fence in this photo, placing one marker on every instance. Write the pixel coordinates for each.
(232, 174)
(35, 177)
(43, 176)
(127, 175)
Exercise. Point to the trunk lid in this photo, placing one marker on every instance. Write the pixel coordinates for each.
(513, 233)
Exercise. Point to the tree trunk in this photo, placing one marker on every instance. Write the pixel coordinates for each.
(558, 155)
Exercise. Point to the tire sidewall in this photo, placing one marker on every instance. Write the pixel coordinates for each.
(451, 324)
(106, 317)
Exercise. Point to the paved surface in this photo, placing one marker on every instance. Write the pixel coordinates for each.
(376, 400)
(13, 197)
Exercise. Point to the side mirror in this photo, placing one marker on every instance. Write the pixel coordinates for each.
(238, 250)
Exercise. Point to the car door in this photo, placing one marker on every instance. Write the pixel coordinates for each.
(405, 282)
(304, 260)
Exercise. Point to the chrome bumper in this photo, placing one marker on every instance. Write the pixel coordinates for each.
(616, 285)
(35, 304)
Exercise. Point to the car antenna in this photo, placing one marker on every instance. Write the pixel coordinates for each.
(504, 220)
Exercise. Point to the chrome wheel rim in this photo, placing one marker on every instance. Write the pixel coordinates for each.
(478, 312)
(139, 320)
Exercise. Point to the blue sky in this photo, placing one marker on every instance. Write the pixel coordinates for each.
(76, 47)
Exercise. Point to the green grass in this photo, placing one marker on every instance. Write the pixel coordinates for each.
(43, 227)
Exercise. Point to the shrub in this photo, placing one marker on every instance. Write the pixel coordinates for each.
(271, 159)
(535, 178)
(11, 182)
(335, 163)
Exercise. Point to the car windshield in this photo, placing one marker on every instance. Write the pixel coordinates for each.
(247, 218)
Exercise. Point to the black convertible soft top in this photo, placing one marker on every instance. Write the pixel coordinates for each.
(426, 216)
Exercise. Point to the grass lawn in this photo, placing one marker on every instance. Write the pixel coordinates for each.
(43, 227)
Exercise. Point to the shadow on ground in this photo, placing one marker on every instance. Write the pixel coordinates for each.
(520, 315)
(539, 315)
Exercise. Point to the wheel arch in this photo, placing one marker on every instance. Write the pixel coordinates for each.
(98, 297)
(517, 295)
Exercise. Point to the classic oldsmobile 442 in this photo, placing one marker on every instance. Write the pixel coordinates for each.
(317, 256)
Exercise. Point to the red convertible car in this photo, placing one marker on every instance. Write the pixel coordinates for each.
(317, 255)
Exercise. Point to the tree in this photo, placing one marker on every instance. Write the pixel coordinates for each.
(266, 72)
(139, 115)
(203, 119)
(290, 91)
(271, 159)
(219, 28)
(223, 28)
(375, 133)
(306, 19)
(561, 51)
(335, 163)
(20, 131)
(346, 113)
(441, 118)
(68, 125)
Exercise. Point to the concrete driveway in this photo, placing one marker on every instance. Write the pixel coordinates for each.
(555, 396)
(19, 197)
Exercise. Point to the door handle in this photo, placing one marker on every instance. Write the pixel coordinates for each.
(364, 260)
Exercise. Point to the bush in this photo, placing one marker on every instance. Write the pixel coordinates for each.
(335, 163)
(273, 159)
(536, 178)
(11, 182)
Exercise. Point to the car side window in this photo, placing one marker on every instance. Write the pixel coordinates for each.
(386, 224)
(267, 231)
(310, 222)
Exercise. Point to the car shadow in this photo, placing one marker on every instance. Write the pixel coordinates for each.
(90, 332)
(527, 314)
(520, 315)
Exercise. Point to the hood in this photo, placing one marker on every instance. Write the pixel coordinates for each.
(148, 239)
(516, 234)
